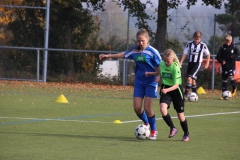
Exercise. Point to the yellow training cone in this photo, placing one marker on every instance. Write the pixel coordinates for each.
(62, 99)
(117, 121)
(200, 90)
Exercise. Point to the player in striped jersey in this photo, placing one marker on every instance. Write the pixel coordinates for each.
(195, 50)
(147, 59)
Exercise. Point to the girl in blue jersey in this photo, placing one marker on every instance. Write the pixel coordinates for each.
(147, 59)
(171, 91)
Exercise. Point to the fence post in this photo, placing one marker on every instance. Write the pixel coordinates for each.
(46, 41)
(38, 65)
(124, 60)
(213, 57)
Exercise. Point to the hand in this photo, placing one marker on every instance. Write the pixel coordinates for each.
(164, 91)
(223, 62)
(158, 79)
(147, 74)
(101, 56)
(206, 66)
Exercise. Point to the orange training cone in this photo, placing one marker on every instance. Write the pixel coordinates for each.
(62, 99)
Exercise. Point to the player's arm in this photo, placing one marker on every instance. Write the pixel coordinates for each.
(156, 73)
(207, 63)
(118, 55)
(182, 59)
(235, 54)
(165, 90)
(219, 56)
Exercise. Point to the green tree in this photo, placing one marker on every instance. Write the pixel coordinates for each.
(230, 21)
(71, 26)
(138, 9)
(219, 40)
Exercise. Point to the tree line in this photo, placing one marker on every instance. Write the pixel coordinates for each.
(73, 25)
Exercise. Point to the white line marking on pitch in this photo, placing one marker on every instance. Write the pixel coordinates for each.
(193, 116)
(55, 119)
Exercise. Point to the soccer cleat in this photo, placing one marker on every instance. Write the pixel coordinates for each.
(234, 92)
(186, 138)
(153, 135)
(172, 132)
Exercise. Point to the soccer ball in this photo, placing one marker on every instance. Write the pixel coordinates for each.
(226, 95)
(193, 97)
(142, 132)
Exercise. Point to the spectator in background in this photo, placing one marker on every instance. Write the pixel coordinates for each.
(195, 50)
(226, 56)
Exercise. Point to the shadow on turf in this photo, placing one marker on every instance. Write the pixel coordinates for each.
(133, 139)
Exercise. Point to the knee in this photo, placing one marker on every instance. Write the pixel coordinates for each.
(138, 110)
(163, 110)
(181, 117)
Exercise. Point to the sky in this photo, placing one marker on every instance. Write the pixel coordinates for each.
(193, 8)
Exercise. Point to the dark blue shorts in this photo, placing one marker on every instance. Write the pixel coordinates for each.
(145, 91)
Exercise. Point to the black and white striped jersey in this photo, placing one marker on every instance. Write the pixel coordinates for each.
(195, 52)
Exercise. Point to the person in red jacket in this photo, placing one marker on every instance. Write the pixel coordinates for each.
(226, 56)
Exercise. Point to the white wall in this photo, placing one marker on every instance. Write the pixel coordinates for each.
(109, 68)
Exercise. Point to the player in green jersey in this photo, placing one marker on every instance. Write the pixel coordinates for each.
(171, 91)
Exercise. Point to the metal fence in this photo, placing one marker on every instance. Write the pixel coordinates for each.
(180, 27)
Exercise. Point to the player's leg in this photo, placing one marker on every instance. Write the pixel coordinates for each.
(150, 93)
(138, 95)
(184, 125)
(194, 72)
(178, 103)
(224, 80)
(233, 83)
(188, 85)
(165, 102)
(189, 79)
(194, 86)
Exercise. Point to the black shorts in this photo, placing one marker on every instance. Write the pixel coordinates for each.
(227, 73)
(193, 68)
(176, 96)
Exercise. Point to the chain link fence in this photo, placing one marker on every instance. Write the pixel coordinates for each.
(117, 30)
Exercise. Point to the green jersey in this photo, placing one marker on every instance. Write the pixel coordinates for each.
(170, 75)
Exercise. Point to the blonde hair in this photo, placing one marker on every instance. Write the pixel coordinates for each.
(228, 37)
(197, 34)
(169, 53)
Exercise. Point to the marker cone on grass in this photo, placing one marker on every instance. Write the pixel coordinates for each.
(200, 90)
(117, 122)
(62, 99)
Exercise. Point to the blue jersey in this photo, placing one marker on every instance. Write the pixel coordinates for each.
(146, 61)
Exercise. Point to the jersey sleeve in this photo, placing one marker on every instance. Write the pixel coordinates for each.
(186, 49)
(177, 74)
(205, 50)
(129, 53)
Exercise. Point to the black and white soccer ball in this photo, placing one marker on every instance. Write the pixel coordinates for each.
(226, 95)
(142, 132)
(193, 97)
